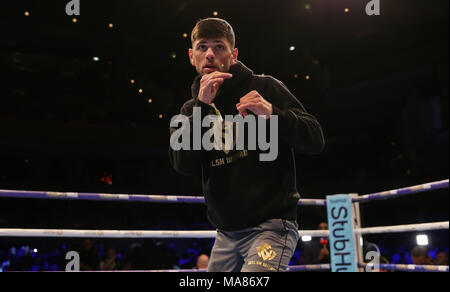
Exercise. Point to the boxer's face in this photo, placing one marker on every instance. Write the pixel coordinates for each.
(210, 55)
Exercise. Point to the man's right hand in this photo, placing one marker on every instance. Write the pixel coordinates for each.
(209, 85)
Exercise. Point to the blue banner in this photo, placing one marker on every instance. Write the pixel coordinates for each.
(340, 225)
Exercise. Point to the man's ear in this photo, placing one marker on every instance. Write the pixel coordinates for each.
(234, 56)
(191, 57)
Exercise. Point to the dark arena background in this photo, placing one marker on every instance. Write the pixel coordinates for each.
(86, 101)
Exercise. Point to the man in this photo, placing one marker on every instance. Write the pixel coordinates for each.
(316, 251)
(252, 203)
(420, 256)
(202, 261)
(442, 258)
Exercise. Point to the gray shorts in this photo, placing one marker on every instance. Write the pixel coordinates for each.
(267, 247)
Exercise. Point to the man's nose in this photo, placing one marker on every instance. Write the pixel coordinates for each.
(210, 54)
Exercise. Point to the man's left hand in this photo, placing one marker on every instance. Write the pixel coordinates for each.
(255, 103)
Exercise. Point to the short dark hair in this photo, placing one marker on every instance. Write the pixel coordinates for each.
(213, 28)
(419, 251)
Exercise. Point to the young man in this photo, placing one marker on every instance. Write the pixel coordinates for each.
(252, 203)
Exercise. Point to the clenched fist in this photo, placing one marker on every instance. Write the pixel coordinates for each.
(209, 85)
(255, 103)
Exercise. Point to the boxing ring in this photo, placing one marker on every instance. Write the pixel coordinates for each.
(357, 230)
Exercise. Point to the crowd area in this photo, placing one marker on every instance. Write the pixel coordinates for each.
(146, 254)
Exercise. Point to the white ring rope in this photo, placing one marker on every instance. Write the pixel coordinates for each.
(17, 232)
(10, 232)
(107, 233)
(403, 228)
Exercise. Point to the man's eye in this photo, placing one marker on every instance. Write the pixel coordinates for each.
(220, 47)
(202, 47)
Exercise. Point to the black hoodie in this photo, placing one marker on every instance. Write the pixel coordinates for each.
(240, 190)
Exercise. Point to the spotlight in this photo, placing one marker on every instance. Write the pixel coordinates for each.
(422, 239)
(306, 238)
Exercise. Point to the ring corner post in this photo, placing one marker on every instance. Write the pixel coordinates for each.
(343, 248)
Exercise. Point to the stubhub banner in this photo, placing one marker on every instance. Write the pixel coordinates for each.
(340, 224)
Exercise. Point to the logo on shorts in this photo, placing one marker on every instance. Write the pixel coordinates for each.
(266, 252)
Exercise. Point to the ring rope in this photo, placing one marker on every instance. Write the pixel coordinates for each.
(178, 271)
(10, 232)
(300, 268)
(404, 228)
(107, 233)
(324, 267)
(305, 268)
(318, 267)
(402, 192)
(17, 232)
(199, 199)
(122, 197)
(410, 268)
